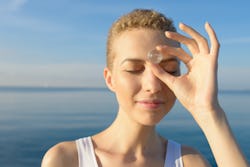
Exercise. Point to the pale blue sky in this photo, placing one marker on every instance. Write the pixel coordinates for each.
(62, 42)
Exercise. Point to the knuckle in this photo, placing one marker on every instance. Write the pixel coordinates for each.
(192, 43)
(218, 44)
(203, 39)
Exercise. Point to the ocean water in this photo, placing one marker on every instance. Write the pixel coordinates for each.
(34, 119)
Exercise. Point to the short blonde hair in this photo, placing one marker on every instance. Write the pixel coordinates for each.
(138, 18)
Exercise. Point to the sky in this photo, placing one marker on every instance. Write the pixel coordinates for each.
(63, 42)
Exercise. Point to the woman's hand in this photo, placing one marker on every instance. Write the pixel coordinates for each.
(197, 89)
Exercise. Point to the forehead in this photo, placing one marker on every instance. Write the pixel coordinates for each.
(143, 37)
(137, 43)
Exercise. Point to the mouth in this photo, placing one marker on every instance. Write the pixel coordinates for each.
(150, 104)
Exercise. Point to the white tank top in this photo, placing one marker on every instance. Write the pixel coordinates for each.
(86, 154)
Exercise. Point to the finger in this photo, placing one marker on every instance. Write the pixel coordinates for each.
(165, 77)
(178, 52)
(190, 43)
(215, 46)
(200, 40)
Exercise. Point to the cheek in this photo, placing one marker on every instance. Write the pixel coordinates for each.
(127, 83)
(169, 96)
(126, 88)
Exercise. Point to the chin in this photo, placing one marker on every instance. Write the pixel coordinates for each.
(149, 122)
(150, 119)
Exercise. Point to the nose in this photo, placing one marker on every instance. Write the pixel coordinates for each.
(150, 83)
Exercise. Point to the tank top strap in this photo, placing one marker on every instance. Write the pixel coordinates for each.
(86, 154)
(173, 155)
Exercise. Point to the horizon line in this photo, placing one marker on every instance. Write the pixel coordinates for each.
(91, 88)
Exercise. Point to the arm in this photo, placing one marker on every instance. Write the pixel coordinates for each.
(197, 91)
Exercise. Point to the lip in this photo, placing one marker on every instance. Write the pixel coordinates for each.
(150, 104)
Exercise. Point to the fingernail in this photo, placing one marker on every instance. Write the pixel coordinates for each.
(167, 33)
(207, 24)
(159, 47)
(181, 25)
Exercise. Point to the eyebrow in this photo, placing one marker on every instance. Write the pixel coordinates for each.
(132, 60)
(143, 61)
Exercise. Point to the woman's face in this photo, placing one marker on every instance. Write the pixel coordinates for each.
(140, 94)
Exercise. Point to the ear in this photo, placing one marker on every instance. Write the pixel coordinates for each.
(108, 79)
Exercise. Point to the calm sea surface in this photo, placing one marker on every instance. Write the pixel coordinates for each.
(34, 119)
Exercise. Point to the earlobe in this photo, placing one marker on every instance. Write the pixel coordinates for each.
(108, 79)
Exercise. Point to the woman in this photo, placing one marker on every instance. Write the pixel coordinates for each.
(146, 92)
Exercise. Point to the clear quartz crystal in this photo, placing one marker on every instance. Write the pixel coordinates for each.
(155, 56)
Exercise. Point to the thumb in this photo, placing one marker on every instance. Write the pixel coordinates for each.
(165, 77)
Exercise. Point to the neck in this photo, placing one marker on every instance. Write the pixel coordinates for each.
(127, 136)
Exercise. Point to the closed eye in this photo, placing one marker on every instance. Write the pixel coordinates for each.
(134, 68)
(171, 67)
(135, 71)
(175, 73)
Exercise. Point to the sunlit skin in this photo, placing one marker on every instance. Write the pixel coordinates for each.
(197, 91)
(143, 101)
(140, 94)
(146, 92)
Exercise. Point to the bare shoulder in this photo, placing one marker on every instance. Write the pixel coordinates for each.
(193, 158)
(61, 155)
